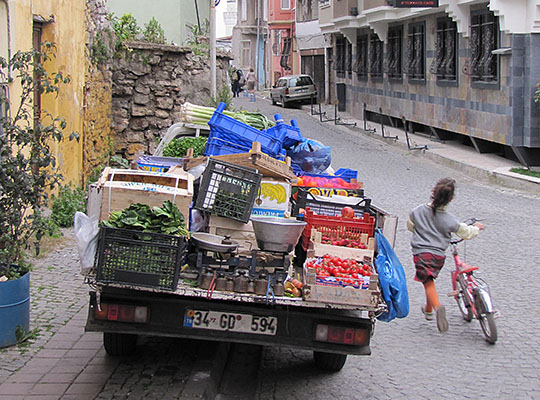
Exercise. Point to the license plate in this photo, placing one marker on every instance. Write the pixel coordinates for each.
(301, 90)
(232, 322)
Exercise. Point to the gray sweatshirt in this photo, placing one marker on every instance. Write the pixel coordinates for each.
(431, 232)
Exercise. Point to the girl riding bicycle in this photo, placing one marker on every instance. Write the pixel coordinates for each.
(432, 227)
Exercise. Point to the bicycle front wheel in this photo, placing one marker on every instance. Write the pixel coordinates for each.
(487, 322)
(463, 299)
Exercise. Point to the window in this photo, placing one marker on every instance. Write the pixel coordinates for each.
(285, 53)
(307, 10)
(394, 52)
(416, 51)
(484, 30)
(246, 53)
(324, 3)
(361, 64)
(243, 7)
(375, 56)
(341, 59)
(444, 65)
(349, 59)
(285, 4)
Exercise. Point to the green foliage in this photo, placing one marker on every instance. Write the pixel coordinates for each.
(178, 146)
(64, 206)
(125, 29)
(140, 217)
(525, 171)
(153, 32)
(99, 51)
(198, 40)
(29, 169)
(224, 95)
(24, 339)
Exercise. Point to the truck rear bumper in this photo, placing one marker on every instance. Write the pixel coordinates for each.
(296, 326)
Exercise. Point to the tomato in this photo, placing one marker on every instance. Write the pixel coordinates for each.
(347, 212)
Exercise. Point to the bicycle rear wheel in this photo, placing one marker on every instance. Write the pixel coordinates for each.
(487, 321)
(462, 299)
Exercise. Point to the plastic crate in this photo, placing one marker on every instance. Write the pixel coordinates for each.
(305, 199)
(140, 258)
(337, 227)
(290, 133)
(230, 130)
(228, 190)
(219, 147)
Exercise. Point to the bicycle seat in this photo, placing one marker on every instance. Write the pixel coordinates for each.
(465, 269)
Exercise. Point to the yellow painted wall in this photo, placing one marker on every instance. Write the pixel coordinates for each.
(68, 31)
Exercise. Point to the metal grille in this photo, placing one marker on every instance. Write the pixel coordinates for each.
(444, 65)
(416, 53)
(375, 56)
(361, 64)
(394, 52)
(483, 64)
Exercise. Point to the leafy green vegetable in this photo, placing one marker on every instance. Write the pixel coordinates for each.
(166, 219)
(178, 146)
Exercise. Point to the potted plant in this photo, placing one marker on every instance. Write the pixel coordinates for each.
(28, 173)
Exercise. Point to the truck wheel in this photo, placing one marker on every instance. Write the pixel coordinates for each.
(119, 344)
(329, 361)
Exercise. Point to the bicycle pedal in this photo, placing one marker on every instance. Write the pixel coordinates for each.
(453, 293)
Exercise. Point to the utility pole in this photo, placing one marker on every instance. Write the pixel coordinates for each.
(213, 48)
(258, 42)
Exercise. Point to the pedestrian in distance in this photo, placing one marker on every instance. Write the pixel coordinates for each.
(235, 82)
(432, 227)
(251, 79)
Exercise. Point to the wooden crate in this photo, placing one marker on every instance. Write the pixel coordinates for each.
(238, 231)
(317, 292)
(265, 165)
(318, 249)
(119, 188)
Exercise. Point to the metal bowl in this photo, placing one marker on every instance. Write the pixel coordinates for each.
(277, 234)
(207, 241)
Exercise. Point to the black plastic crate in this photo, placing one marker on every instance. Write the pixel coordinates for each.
(228, 190)
(140, 258)
(306, 199)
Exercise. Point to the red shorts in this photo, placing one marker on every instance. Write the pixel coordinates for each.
(427, 266)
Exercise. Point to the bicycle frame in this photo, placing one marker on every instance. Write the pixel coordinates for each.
(476, 287)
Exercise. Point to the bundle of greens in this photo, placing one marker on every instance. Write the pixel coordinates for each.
(178, 146)
(140, 217)
(195, 114)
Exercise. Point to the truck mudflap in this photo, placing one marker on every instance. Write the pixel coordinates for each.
(158, 314)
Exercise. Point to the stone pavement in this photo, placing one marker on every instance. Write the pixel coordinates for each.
(64, 362)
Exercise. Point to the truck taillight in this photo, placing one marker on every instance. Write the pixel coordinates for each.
(342, 335)
(314, 87)
(287, 91)
(121, 313)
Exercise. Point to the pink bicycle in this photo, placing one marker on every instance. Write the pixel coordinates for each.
(472, 294)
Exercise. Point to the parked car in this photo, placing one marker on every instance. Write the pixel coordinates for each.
(293, 88)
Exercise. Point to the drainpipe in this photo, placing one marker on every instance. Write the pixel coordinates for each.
(257, 45)
(8, 27)
(213, 48)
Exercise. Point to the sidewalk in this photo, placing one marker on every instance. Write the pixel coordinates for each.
(484, 166)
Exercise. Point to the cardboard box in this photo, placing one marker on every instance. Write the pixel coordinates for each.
(273, 198)
(119, 188)
(238, 231)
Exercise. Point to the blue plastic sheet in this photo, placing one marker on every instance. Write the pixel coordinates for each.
(311, 156)
(392, 280)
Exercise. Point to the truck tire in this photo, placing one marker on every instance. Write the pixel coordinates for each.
(329, 361)
(119, 344)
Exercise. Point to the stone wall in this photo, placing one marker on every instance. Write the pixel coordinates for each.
(96, 136)
(149, 85)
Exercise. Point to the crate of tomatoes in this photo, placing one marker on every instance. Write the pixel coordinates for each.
(331, 279)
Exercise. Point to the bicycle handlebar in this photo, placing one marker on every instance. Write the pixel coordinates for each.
(468, 221)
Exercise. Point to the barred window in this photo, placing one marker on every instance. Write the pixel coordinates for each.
(483, 41)
(361, 63)
(375, 56)
(394, 51)
(349, 59)
(444, 65)
(416, 51)
(341, 59)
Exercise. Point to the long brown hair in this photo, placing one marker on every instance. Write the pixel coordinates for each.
(442, 193)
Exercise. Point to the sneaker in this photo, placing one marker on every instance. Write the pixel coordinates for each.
(442, 323)
(428, 315)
